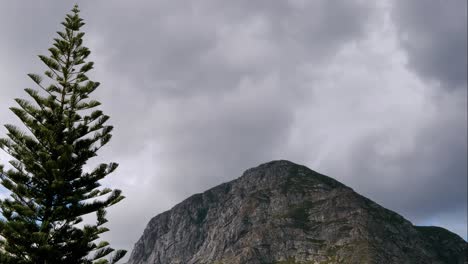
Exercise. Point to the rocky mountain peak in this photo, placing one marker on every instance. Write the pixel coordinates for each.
(281, 212)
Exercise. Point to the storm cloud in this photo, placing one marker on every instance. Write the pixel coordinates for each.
(434, 35)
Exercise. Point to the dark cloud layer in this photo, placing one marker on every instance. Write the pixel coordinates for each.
(200, 91)
(194, 48)
(430, 174)
(434, 33)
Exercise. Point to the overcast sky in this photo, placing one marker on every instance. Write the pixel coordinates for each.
(372, 93)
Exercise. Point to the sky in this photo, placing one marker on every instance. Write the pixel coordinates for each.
(371, 93)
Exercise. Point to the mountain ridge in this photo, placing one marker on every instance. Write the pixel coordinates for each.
(282, 212)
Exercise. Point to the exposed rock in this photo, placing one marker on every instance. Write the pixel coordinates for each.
(281, 212)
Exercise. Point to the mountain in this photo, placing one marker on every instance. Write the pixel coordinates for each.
(284, 213)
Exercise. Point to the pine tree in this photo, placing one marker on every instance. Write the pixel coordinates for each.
(50, 190)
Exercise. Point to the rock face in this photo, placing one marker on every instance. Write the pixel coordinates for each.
(281, 212)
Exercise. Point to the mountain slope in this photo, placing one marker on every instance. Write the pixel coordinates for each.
(281, 212)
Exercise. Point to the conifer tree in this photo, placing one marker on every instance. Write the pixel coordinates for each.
(40, 222)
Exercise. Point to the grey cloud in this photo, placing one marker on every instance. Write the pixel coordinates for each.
(209, 46)
(233, 132)
(434, 33)
(428, 176)
(166, 50)
(28, 30)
